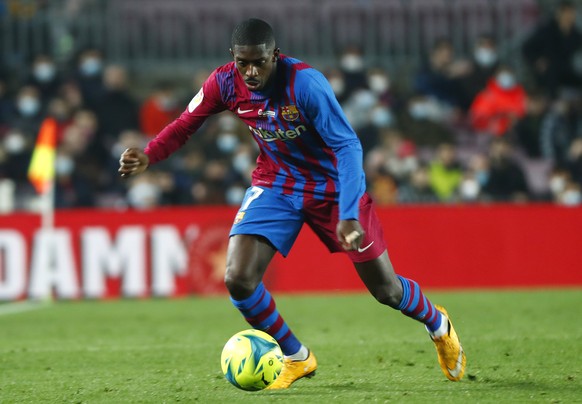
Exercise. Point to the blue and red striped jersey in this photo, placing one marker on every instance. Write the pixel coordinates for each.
(307, 146)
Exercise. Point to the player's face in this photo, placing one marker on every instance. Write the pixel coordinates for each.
(256, 64)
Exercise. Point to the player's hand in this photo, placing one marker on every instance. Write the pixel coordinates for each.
(133, 161)
(350, 234)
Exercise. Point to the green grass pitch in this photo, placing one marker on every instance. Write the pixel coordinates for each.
(521, 346)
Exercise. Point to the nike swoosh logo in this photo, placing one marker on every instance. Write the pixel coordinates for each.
(365, 248)
(457, 370)
(243, 111)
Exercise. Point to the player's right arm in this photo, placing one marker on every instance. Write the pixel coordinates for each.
(207, 102)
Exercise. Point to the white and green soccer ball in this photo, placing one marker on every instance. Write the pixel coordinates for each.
(251, 360)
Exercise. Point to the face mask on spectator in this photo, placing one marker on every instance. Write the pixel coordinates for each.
(64, 165)
(419, 110)
(557, 184)
(381, 117)
(28, 106)
(378, 83)
(470, 189)
(44, 72)
(571, 198)
(241, 162)
(235, 195)
(14, 143)
(227, 142)
(352, 63)
(167, 103)
(505, 80)
(485, 57)
(91, 66)
(338, 86)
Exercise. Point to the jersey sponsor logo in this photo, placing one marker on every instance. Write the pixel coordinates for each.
(289, 112)
(243, 111)
(197, 100)
(361, 250)
(267, 113)
(279, 134)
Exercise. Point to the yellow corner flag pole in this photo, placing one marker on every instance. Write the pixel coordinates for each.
(41, 171)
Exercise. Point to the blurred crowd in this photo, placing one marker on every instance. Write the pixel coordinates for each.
(456, 129)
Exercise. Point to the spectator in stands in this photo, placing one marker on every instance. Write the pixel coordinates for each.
(482, 68)
(475, 179)
(28, 112)
(574, 162)
(560, 126)
(439, 78)
(506, 182)
(392, 155)
(551, 48)
(421, 122)
(159, 109)
(337, 82)
(564, 189)
(380, 84)
(528, 128)
(500, 105)
(417, 189)
(117, 109)
(45, 77)
(445, 172)
(89, 76)
(353, 68)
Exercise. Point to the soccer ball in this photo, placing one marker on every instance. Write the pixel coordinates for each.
(251, 360)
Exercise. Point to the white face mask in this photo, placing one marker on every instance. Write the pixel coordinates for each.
(378, 83)
(352, 63)
(571, 198)
(505, 80)
(557, 184)
(419, 110)
(381, 117)
(44, 72)
(91, 66)
(14, 143)
(338, 86)
(485, 57)
(28, 106)
(227, 142)
(235, 195)
(241, 162)
(470, 189)
(64, 165)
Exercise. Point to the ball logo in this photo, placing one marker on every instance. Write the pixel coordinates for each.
(197, 100)
(289, 112)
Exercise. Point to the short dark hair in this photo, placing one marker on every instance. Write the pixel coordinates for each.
(253, 32)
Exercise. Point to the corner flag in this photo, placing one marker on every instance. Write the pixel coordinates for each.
(41, 171)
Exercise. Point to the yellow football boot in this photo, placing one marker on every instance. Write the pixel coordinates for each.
(294, 370)
(450, 352)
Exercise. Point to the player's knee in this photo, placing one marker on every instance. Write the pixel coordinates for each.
(239, 287)
(388, 295)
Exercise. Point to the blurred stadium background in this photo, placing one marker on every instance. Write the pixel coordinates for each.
(471, 108)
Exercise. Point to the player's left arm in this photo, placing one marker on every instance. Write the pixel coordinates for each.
(325, 113)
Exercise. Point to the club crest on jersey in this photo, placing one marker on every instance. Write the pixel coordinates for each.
(289, 112)
(239, 216)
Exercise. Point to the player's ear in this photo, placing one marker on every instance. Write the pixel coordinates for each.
(276, 53)
(231, 52)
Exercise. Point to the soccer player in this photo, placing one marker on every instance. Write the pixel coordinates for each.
(309, 170)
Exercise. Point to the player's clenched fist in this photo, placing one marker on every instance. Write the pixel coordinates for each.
(133, 161)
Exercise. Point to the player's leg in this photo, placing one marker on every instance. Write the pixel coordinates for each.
(265, 223)
(375, 269)
(247, 260)
(405, 295)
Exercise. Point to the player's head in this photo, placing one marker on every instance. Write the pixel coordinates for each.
(255, 53)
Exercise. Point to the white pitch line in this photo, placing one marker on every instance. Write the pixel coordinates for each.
(21, 307)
